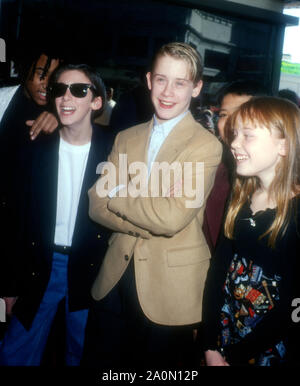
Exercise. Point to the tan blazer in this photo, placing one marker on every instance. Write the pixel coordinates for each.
(171, 257)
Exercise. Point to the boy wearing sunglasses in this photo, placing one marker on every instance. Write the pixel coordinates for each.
(59, 248)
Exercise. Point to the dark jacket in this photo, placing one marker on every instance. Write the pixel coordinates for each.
(36, 199)
(14, 136)
(217, 201)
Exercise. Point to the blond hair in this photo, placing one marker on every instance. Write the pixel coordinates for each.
(184, 52)
(275, 114)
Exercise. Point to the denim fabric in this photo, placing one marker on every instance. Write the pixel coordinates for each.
(25, 348)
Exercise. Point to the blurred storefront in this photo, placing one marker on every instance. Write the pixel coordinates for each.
(237, 39)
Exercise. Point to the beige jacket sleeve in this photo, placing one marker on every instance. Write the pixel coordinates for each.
(99, 212)
(166, 216)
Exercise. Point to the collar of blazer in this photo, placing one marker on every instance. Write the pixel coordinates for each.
(138, 143)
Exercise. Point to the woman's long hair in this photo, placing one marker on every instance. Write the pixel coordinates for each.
(283, 116)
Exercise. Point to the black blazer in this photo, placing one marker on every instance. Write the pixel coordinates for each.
(36, 200)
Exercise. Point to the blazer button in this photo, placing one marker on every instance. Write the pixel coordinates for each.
(118, 214)
(126, 257)
(98, 236)
(124, 218)
(33, 274)
(130, 233)
(33, 243)
(137, 234)
(91, 264)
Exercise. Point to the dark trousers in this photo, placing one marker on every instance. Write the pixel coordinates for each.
(118, 334)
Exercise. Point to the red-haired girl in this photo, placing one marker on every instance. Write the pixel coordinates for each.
(254, 274)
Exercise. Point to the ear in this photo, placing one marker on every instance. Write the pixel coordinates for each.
(97, 103)
(197, 88)
(148, 77)
(282, 147)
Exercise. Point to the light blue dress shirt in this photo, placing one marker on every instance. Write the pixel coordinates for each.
(158, 135)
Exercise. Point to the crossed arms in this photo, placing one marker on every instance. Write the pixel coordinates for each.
(146, 215)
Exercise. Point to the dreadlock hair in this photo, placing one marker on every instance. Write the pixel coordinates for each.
(27, 58)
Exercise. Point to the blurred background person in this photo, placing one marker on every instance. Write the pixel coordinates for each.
(104, 118)
(290, 95)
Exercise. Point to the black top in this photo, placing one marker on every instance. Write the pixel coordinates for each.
(249, 291)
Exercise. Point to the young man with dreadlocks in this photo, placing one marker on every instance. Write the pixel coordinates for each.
(27, 104)
(27, 107)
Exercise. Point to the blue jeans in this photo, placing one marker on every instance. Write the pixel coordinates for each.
(25, 348)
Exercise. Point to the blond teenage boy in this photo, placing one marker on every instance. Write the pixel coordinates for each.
(148, 293)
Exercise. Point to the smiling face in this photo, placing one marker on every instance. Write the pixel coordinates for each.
(171, 87)
(257, 150)
(73, 111)
(36, 86)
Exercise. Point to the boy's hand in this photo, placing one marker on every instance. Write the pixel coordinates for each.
(9, 302)
(45, 122)
(214, 358)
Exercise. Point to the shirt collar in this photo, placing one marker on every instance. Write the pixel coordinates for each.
(167, 126)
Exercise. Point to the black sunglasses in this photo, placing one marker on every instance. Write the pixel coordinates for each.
(78, 90)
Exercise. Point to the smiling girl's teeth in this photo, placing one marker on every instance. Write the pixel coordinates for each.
(241, 157)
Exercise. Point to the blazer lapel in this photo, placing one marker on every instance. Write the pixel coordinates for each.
(138, 145)
(45, 175)
(97, 154)
(176, 140)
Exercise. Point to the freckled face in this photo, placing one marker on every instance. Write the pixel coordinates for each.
(257, 150)
(171, 87)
